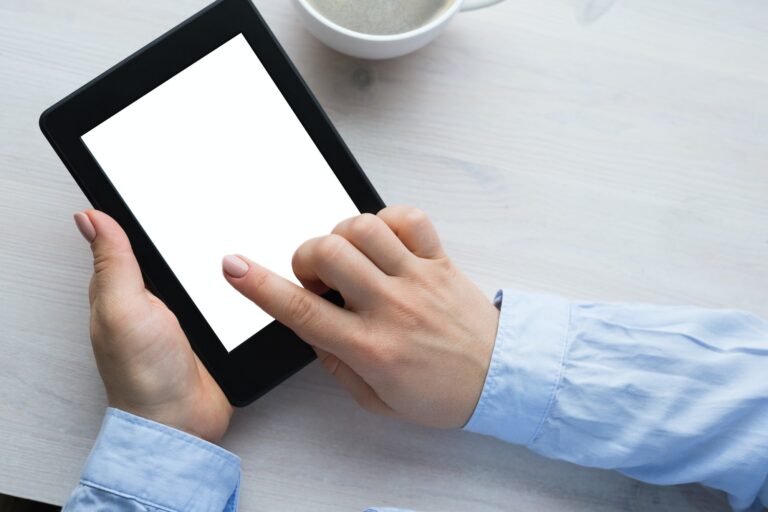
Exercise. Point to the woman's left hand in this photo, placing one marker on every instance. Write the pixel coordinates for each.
(144, 358)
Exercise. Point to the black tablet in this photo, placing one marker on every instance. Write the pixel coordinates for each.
(208, 142)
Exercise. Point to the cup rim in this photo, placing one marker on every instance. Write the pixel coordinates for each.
(439, 20)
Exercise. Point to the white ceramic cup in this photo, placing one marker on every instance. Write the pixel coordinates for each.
(370, 46)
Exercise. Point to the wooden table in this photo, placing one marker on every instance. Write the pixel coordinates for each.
(625, 160)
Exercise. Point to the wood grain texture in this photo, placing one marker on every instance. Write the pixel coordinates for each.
(625, 160)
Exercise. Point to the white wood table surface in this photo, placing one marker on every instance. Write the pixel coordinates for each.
(625, 160)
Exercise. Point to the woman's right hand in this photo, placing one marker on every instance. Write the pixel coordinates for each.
(416, 336)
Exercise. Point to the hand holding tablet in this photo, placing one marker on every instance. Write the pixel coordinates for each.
(144, 357)
(416, 336)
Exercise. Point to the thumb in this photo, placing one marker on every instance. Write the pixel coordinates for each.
(116, 272)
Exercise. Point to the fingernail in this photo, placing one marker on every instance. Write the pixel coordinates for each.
(85, 226)
(234, 266)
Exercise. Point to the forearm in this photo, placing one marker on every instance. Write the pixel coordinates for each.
(665, 395)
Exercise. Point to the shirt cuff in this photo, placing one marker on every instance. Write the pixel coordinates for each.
(160, 466)
(526, 366)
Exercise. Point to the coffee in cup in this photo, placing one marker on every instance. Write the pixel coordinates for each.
(381, 17)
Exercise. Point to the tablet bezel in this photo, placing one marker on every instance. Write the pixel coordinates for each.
(274, 353)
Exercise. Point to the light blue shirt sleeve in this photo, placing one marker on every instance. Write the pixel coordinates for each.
(139, 465)
(666, 395)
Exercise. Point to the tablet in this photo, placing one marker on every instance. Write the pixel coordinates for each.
(204, 143)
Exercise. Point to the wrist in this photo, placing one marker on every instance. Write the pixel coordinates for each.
(201, 410)
(168, 415)
(482, 358)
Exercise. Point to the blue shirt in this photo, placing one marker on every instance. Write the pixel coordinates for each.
(666, 395)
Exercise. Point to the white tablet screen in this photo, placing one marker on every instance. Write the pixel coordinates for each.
(214, 162)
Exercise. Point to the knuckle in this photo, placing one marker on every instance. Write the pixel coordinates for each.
(329, 247)
(438, 274)
(300, 309)
(415, 217)
(101, 263)
(383, 356)
(341, 226)
(104, 260)
(303, 253)
(363, 226)
(384, 211)
(359, 335)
